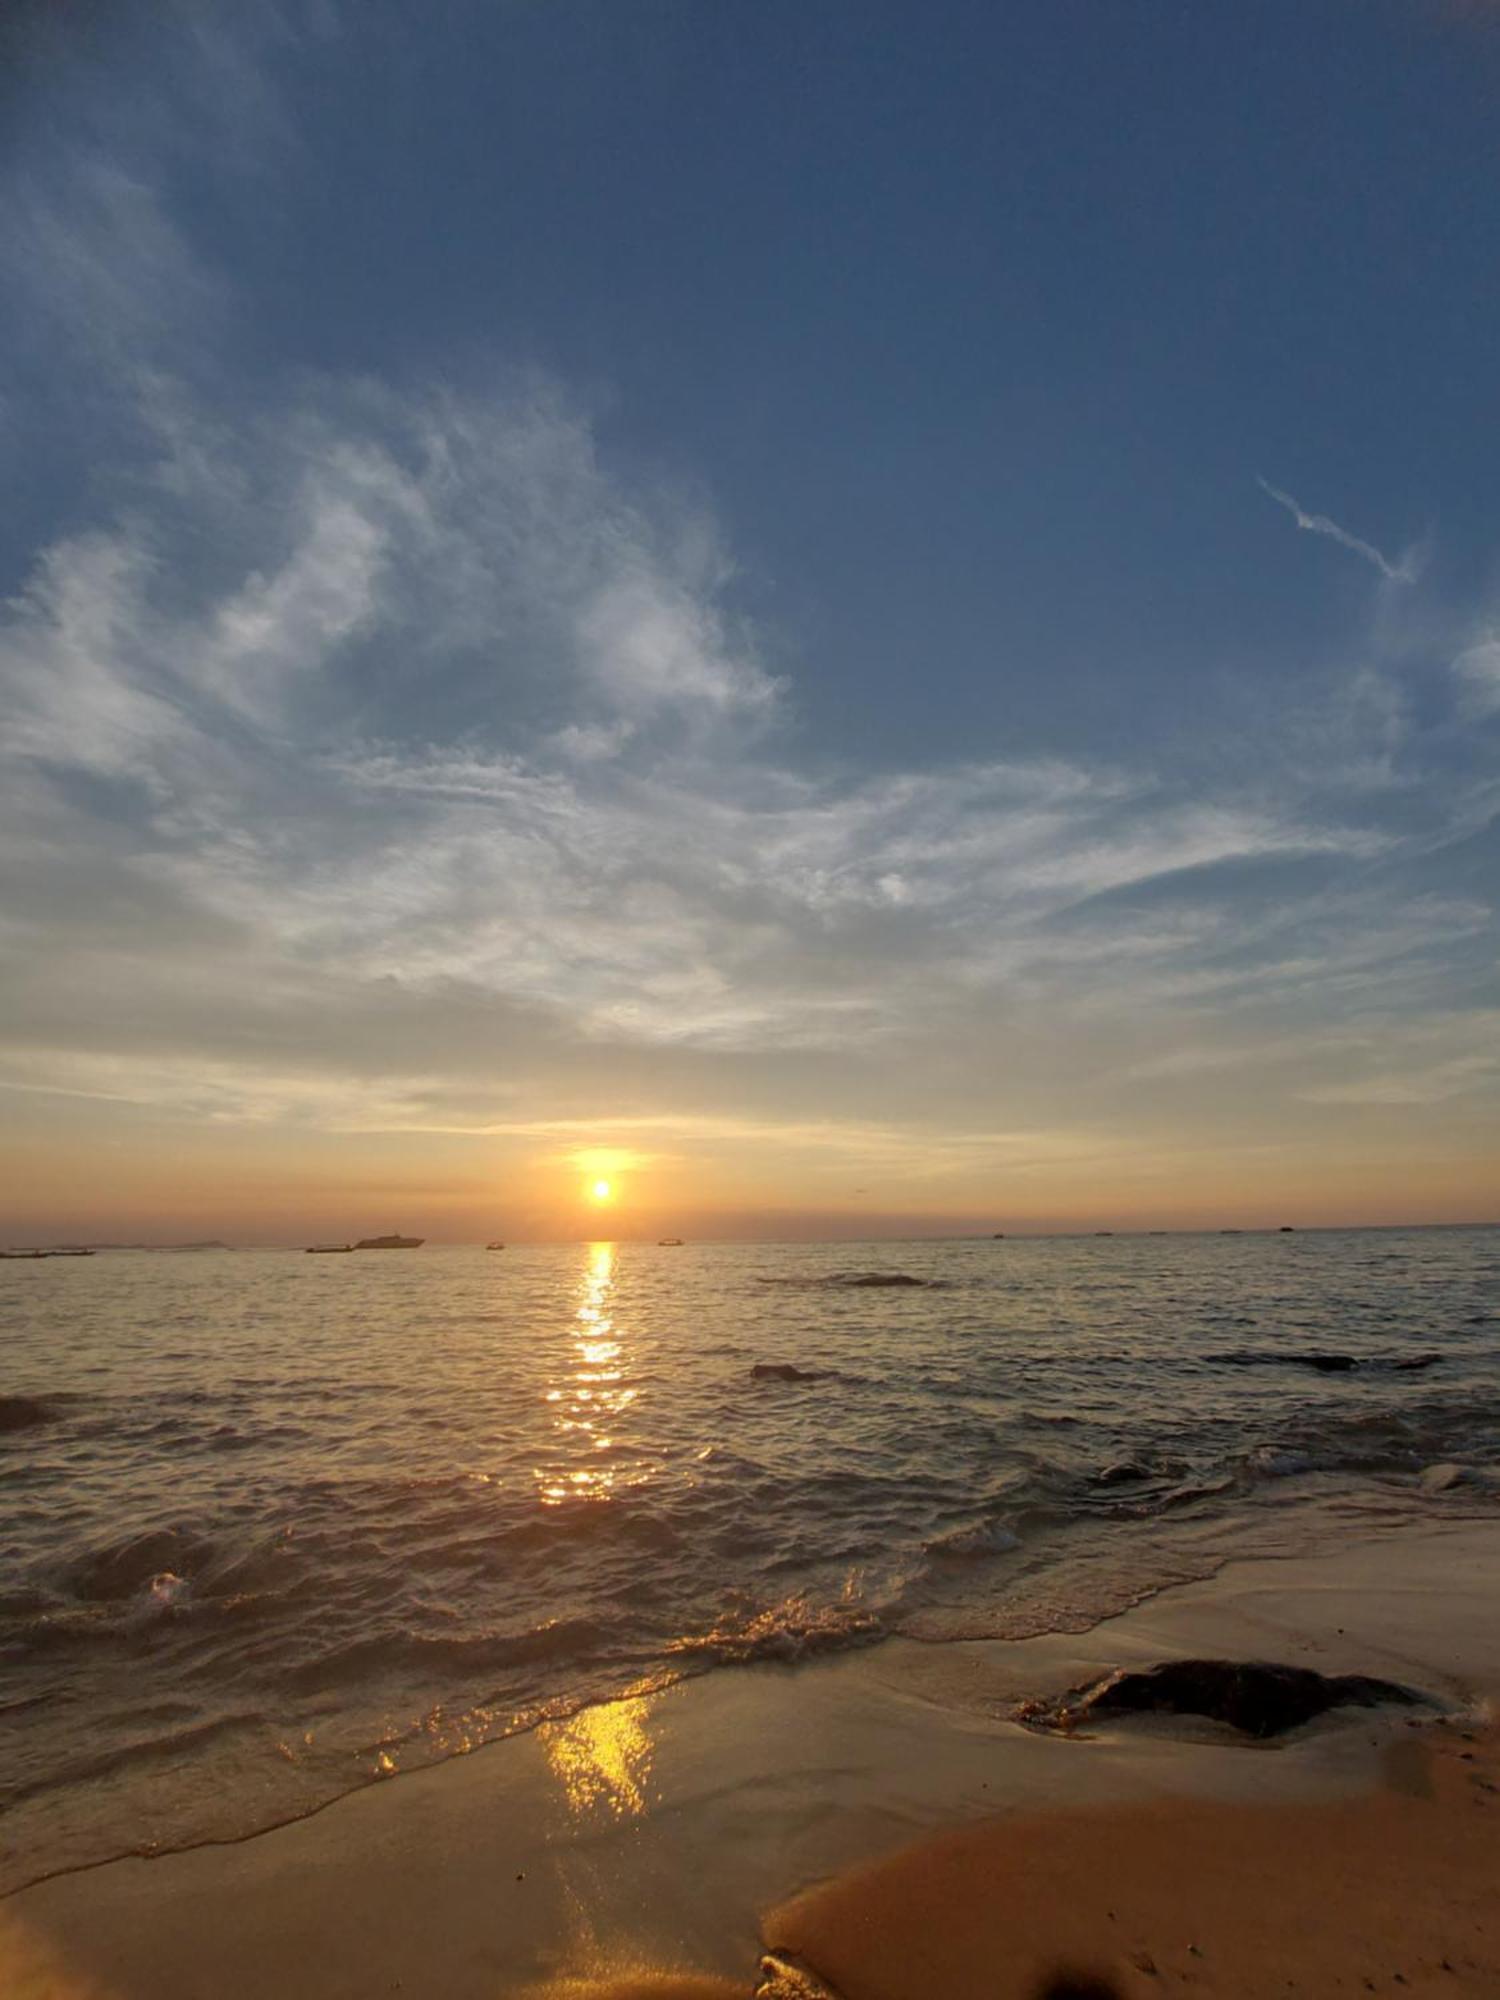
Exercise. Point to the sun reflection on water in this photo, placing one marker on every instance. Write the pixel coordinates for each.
(593, 1395)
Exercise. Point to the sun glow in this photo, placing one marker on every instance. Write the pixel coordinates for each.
(602, 1191)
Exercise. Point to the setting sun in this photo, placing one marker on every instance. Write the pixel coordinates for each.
(601, 1190)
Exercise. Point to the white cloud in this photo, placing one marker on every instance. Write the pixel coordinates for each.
(1478, 669)
(1433, 1061)
(1321, 524)
(414, 696)
(78, 662)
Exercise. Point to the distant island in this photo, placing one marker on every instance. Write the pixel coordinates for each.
(88, 1249)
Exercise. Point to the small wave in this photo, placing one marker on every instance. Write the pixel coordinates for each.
(981, 1538)
(228, 1438)
(1449, 1478)
(1270, 1463)
(792, 1630)
(179, 1745)
(125, 1568)
(135, 1566)
(383, 1654)
(1164, 1499)
(586, 1521)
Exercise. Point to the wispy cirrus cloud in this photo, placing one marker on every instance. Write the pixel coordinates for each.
(343, 752)
(1403, 571)
(1478, 671)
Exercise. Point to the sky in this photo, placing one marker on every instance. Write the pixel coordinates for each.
(857, 619)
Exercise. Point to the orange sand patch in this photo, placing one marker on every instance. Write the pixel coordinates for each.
(1396, 1893)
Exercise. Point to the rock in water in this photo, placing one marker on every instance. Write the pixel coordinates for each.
(1260, 1699)
(782, 1371)
(783, 1976)
(1123, 1474)
(20, 1413)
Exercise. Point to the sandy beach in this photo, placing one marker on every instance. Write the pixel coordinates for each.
(883, 1817)
(1391, 1891)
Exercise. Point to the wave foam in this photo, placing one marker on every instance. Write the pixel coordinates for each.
(795, 1629)
(983, 1538)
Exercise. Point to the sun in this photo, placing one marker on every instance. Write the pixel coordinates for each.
(601, 1191)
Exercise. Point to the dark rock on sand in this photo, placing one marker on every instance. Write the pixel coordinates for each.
(782, 1371)
(1260, 1699)
(22, 1413)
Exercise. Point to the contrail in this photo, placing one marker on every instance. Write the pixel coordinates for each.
(1319, 524)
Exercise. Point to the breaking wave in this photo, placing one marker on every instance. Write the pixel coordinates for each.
(795, 1629)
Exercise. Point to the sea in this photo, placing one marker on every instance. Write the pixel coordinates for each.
(274, 1527)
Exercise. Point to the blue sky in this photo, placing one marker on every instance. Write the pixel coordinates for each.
(882, 615)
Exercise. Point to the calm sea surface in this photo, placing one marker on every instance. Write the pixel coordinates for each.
(295, 1523)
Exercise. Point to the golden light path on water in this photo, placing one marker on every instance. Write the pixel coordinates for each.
(593, 1394)
(602, 1752)
(601, 1756)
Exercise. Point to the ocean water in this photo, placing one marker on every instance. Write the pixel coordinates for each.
(294, 1524)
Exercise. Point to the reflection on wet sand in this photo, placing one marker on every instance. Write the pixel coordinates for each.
(602, 1758)
(31, 1968)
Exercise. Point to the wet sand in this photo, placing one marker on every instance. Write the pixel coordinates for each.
(952, 1852)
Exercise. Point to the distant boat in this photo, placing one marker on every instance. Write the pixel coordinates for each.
(1286, 1229)
(390, 1242)
(998, 1237)
(669, 1242)
(329, 1249)
(1104, 1232)
(494, 1246)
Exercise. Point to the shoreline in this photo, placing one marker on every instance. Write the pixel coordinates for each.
(1328, 1539)
(651, 1830)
